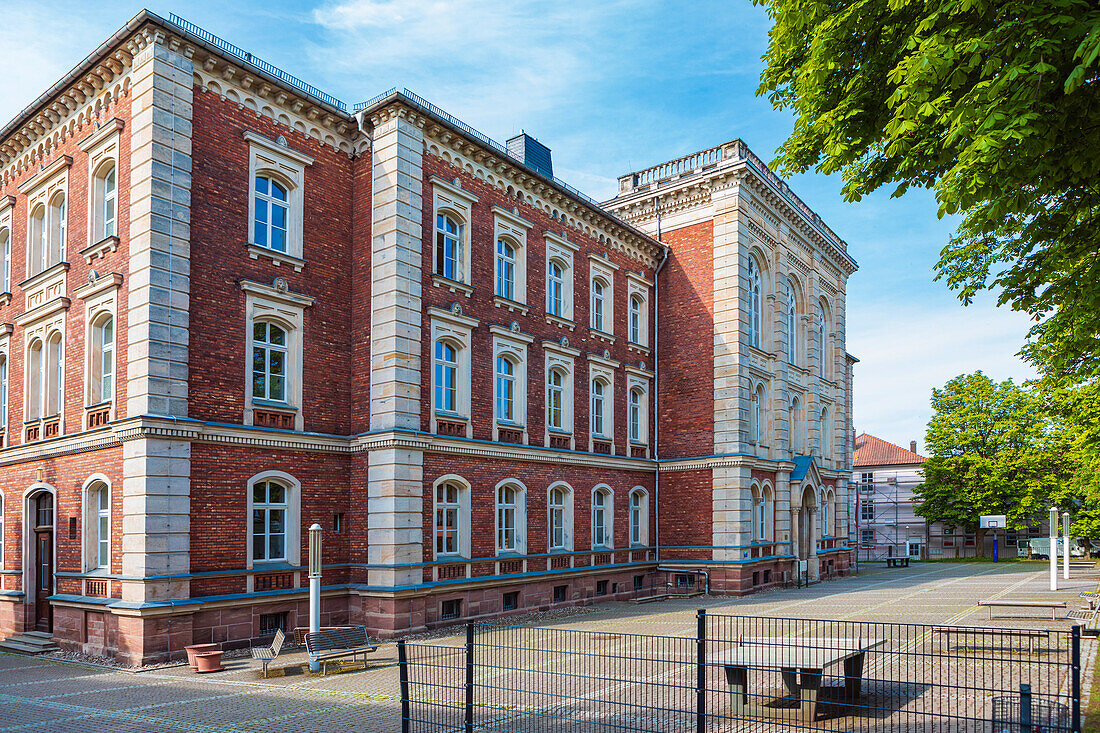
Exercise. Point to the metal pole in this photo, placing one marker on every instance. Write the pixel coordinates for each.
(1075, 673)
(469, 722)
(1025, 708)
(1052, 553)
(314, 587)
(1065, 550)
(701, 672)
(403, 672)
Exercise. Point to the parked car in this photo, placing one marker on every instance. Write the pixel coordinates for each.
(1040, 548)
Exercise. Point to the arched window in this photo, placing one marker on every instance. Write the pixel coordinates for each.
(101, 361)
(272, 204)
(101, 524)
(820, 336)
(506, 269)
(55, 369)
(555, 289)
(448, 247)
(637, 417)
(637, 320)
(756, 415)
(105, 201)
(511, 518)
(5, 260)
(755, 304)
(3, 397)
(791, 315)
(639, 517)
(797, 427)
(34, 372)
(599, 399)
(561, 517)
(555, 399)
(450, 518)
(757, 513)
(58, 226)
(36, 241)
(269, 521)
(446, 377)
(602, 511)
(826, 430)
(598, 304)
(505, 390)
(269, 358)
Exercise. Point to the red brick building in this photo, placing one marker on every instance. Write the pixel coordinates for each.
(232, 307)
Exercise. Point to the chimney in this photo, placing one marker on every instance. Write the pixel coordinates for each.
(532, 153)
(912, 446)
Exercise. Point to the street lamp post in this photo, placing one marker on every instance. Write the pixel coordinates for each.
(314, 587)
(1053, 551)
(1065, 550)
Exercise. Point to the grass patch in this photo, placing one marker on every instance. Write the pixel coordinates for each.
(1091, 713)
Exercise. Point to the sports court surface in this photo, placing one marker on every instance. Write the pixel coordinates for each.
(41, 694)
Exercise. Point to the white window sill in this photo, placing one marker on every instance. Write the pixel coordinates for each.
(601, 335)
(5, 298)
(559, 321)
(100, 249)
(640, 348)
(514, 306)
(454, 286)
(277, 258)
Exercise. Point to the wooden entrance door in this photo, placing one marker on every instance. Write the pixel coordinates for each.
(43, 562)
(43, 586)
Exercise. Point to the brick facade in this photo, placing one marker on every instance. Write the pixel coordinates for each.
(351, 438)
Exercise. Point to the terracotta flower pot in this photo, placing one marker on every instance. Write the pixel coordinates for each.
(209, 662)
(197, 649)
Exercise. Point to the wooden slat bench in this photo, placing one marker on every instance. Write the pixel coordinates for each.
(1052, 605)
(267, 654)
(349, 641)
(301, 631)
(1031, 635)
(897, 562)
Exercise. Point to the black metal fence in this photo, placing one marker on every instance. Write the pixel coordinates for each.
(746, 674)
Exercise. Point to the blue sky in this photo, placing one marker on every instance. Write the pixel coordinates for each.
(611, 87)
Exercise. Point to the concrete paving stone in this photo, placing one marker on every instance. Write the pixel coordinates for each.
(42, 694)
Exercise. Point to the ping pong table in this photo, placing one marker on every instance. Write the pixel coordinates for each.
(801, 662)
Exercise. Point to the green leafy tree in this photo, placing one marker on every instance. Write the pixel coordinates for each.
(995, 449)
(993, 104)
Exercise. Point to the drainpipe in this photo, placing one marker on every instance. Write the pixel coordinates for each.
(656, 396)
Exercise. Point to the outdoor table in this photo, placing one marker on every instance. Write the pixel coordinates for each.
(793, 656)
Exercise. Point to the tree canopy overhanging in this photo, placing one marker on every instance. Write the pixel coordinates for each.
(992, 104)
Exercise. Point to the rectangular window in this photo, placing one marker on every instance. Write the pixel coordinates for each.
(867, 537)
(560, 592)
(867, 510)
(601, 587)
(103, 528)
(506, 269)
(639, 582)
(451, 609)
(511, 600)
(448, 247)
(338, 522)
(684, 580)
(272, 622)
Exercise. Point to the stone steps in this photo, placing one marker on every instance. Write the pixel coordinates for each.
(30, 642)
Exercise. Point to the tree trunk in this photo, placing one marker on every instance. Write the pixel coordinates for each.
(980, 542)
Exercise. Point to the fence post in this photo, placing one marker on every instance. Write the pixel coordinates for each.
(701, 672)
(1025, 708)
(1075, 673)
(469, 722)
(403, 672)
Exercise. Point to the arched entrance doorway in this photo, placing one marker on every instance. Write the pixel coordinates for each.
(807, 532)
(40, 512)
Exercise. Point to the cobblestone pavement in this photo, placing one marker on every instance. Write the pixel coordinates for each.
(41, 694)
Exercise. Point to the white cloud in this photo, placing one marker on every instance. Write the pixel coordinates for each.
(907, 349)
